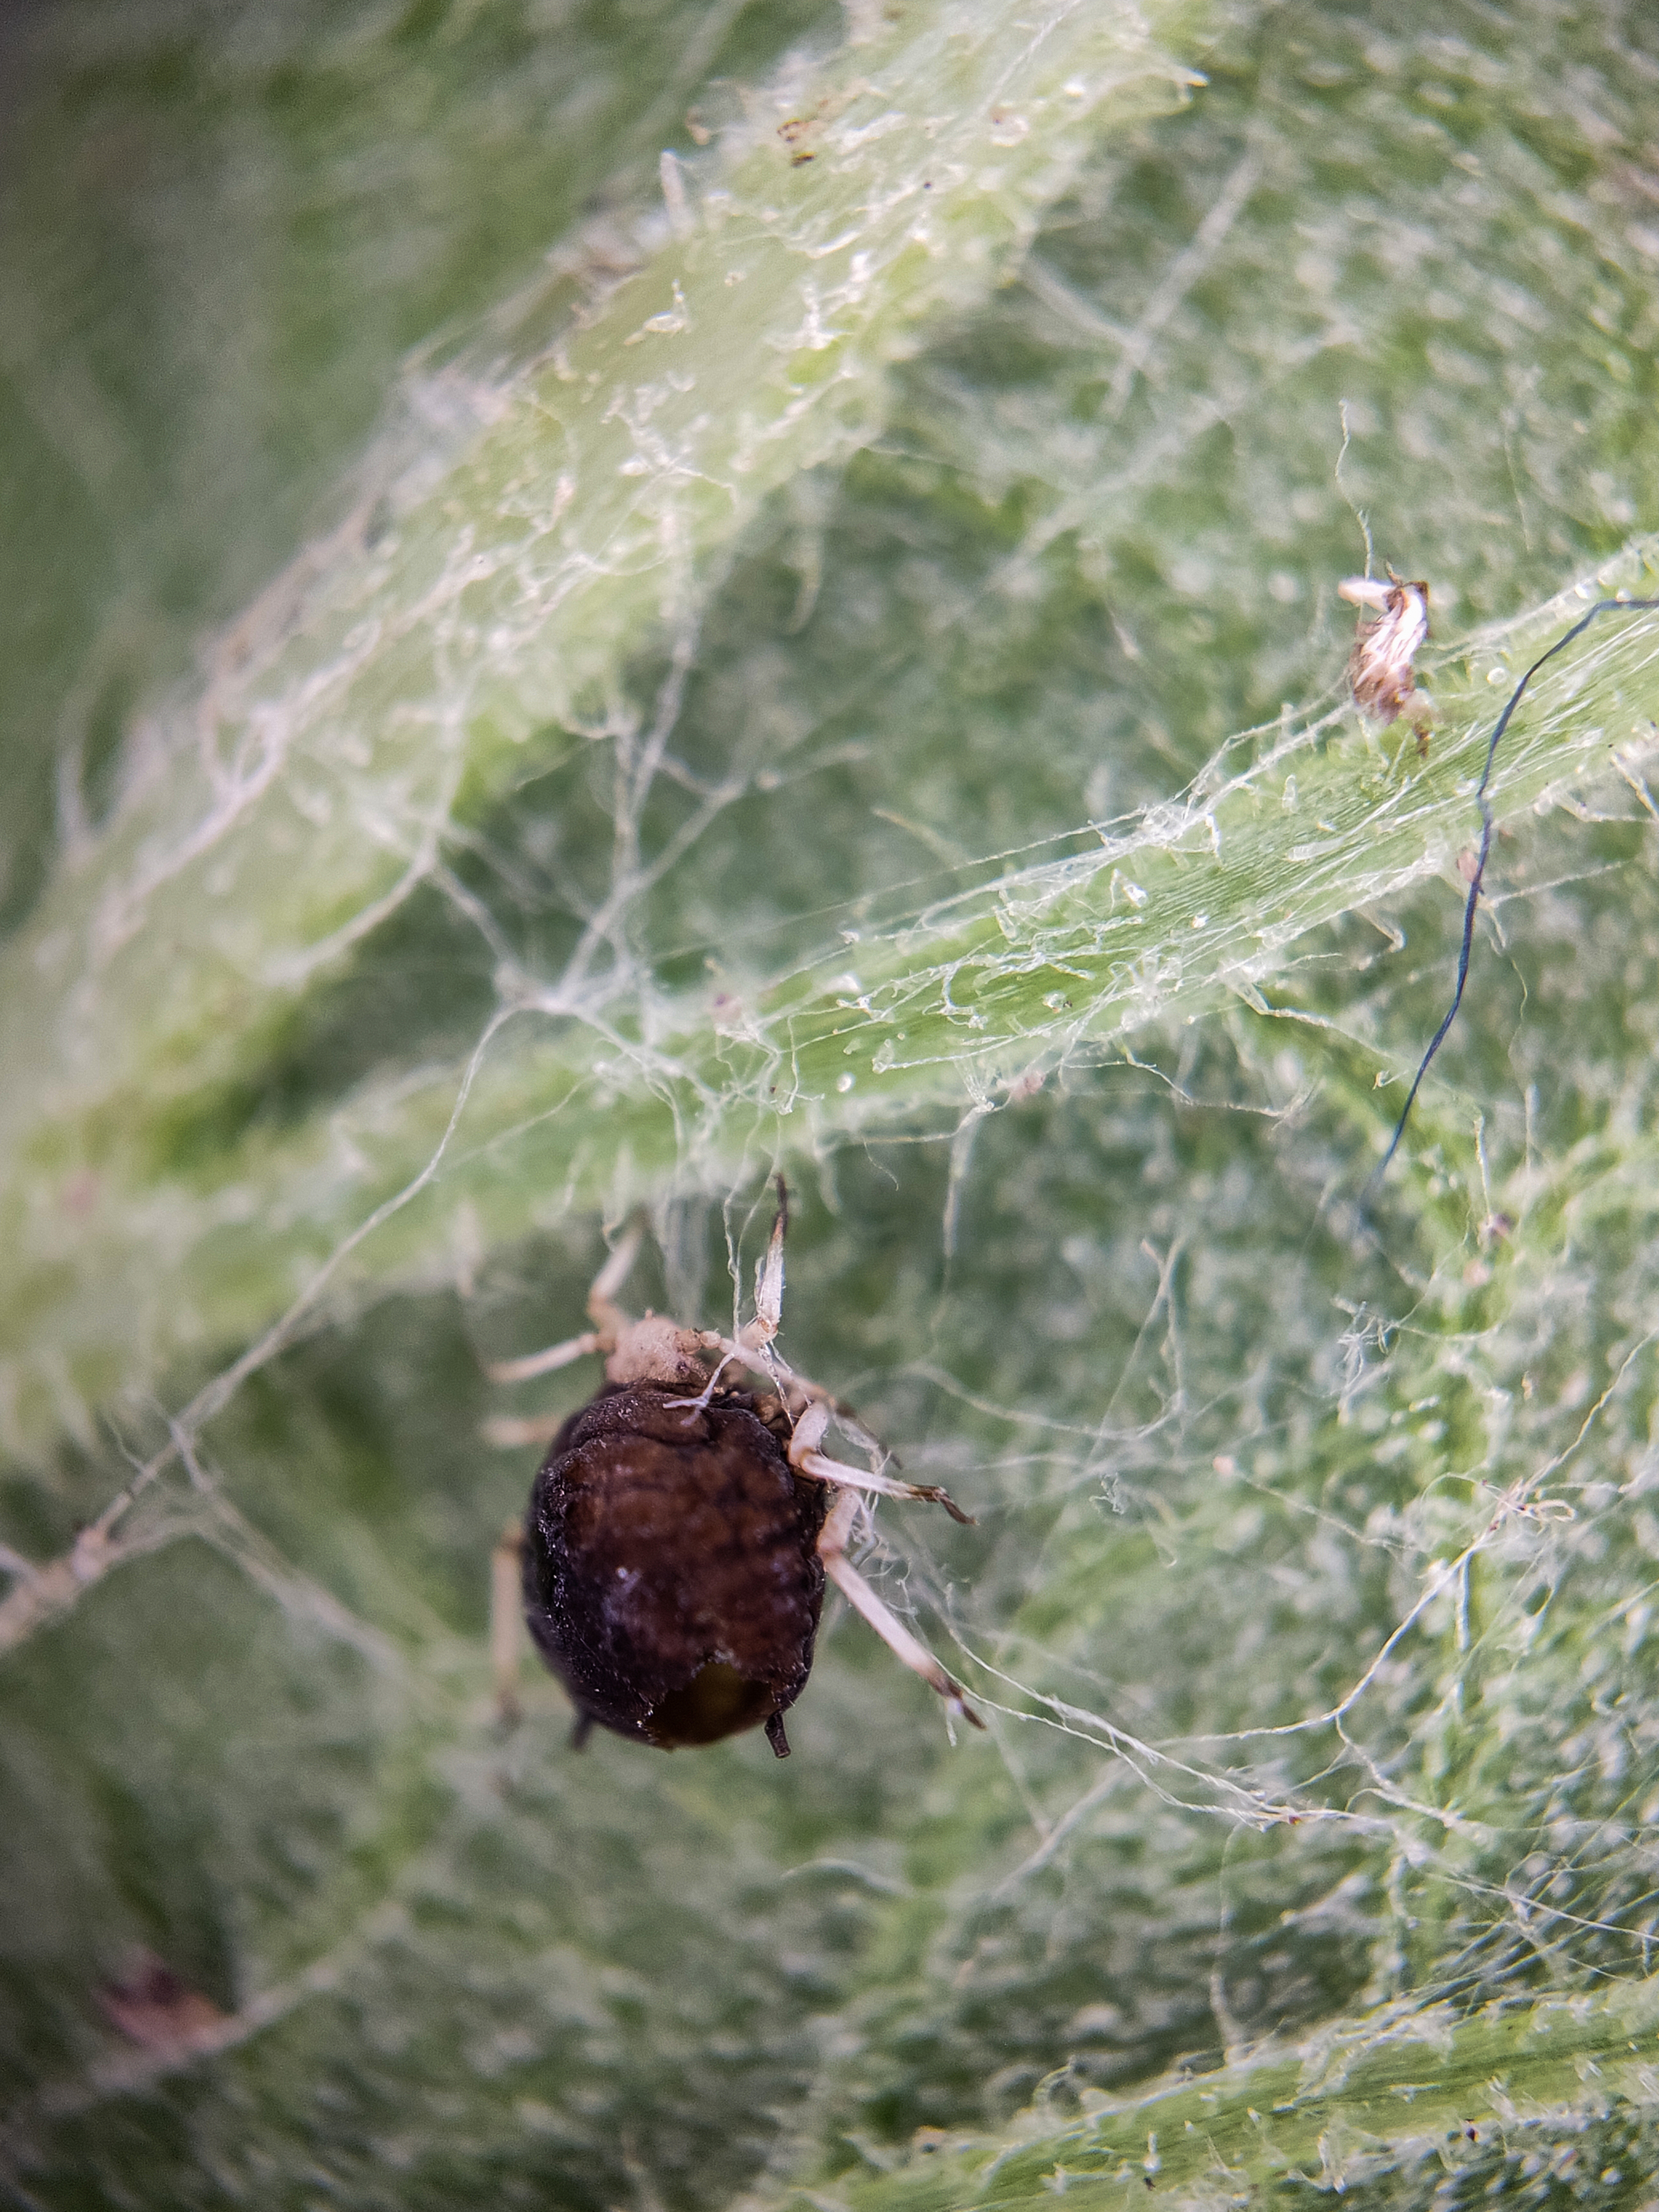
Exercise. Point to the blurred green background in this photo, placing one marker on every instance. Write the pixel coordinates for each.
(1224, 1432)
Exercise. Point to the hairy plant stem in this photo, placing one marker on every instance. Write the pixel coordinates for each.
(477, 603)
(589, 1096)
(1369, 2094)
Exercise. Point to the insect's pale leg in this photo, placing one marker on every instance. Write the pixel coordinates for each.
(512, 1432)
(602, 1308)
(823, 1469)
(796, 1391)
(506, 1619)
(545, 1363)
(832, 1549)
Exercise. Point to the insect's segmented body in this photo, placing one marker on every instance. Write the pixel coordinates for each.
(671, 1574)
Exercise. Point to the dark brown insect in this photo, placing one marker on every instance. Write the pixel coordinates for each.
(672, 1564)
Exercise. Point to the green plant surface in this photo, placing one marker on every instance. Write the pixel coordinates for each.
(980, 990)
(511, 728)
(310, 782)
(1405, 2090)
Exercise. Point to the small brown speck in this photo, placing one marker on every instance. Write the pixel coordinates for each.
(152, 2007)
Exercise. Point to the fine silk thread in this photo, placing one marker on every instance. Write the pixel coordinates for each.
(1601, 607)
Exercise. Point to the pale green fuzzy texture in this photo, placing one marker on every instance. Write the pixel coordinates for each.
(950, 701)
(1410, 2089)
(984, 988)
(415, 666)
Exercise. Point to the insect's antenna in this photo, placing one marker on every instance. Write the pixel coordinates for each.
(1358, 513)
(1601, 607)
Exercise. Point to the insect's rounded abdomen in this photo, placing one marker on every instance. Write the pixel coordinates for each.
(671, 1575)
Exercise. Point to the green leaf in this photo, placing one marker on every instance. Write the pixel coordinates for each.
(1418, 2099)
(883, 718)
